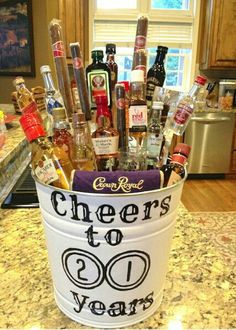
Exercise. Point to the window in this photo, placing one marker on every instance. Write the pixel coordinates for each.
(172, 23)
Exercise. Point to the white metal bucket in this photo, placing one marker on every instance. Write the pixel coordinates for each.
(108, 253)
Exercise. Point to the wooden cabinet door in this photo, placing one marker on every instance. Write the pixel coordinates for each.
(218, 34)
(73, 14)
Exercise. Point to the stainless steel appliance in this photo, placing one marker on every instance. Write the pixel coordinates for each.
(210, 136)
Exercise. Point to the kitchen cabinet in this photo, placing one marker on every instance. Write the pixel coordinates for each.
(217, 37)
(74, 17)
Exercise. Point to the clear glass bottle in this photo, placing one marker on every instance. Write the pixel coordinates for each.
(61, 130)
(53, 96)
(50, 163)
(82, 156)
(112, 65)
(155, 137)
(175, 170)
(98, 79)
(184, 109)
(137, 109)
(156, 74)
(105, 138)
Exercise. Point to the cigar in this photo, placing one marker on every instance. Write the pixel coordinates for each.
(79, 75)
(141, 34)
(58, 50)
(121, 122)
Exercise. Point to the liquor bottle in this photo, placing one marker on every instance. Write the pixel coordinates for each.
(53, 96)
(98, 79)
(112, 65)
(25, 98)
(61, 131)
(137, 109)
(105, 138)
(83, 156)
(121, 113)
(155, 137)
(156, 74)
(175, 170)
(50, 163)
(184, 109)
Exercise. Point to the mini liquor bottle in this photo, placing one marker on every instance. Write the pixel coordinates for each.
(105, 138)
(112, 65)
(53, 96)
(137, 109)
(61, 130)
(175, 170)
(98, 79)
(155, 137)
(184, 109)
(50, 163)
(25, 98)
(83, 156)
(156, 74)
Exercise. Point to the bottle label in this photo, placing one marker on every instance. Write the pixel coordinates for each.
(105, 145)
(58, 49)
(174, 178)
(140, 42)
(183, 112)
(138, 118)
(154, 144)
(30, 108)
(52, 103)
(152, 82)
(98, 83)
(46, 171)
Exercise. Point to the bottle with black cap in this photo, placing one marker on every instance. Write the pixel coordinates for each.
(112, 65)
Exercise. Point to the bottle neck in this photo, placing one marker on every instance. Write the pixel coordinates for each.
(61, 124)
(194, 89)
(111, 57)
(48, 82)
(97, 60)
(156, 115)
(160, 57)
(137, 91)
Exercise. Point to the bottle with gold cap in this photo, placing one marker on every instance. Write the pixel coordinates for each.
(83, 155)
(61, 130)
(25, 98)
(50, 163)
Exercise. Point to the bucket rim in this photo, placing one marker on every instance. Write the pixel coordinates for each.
(172, 187)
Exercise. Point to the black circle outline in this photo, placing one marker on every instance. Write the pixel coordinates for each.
(101, 269)
(147, 263)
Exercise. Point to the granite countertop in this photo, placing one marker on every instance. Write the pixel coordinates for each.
(198, 291)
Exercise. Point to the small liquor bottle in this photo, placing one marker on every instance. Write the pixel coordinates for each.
(50, 163)
(175, 170)
(112, 65)
(137, 109)
(184, 109)
(25, 98)
(105, 138)
(156, 74)
(98, 79)
(53, 96)
(155, 137)
(83, 156)
(61, 131)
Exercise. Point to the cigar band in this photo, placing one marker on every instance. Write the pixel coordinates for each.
(58, 49)
(120, 103)
(140, 42)
(77, 63)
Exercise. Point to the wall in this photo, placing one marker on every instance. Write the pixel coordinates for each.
(43, 12)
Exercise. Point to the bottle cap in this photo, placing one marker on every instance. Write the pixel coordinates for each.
(182, 148)
(200, 80)
(110, 49)
(162, 49)
(45, 68)
(31, 124)
(125, 83)
(178, 159)
(157, 105)
(137, 76)
(97, 53)
(18, 80)
(59, 113)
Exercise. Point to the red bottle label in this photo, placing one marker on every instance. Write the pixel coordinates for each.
(182, 113)
(58, 49)
(30, 108)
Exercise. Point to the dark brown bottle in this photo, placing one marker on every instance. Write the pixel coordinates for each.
(98, 79)
(175, 170)
(156, 74)
(112, 65)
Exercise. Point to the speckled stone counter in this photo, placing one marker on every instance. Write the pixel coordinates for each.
(199, 290)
